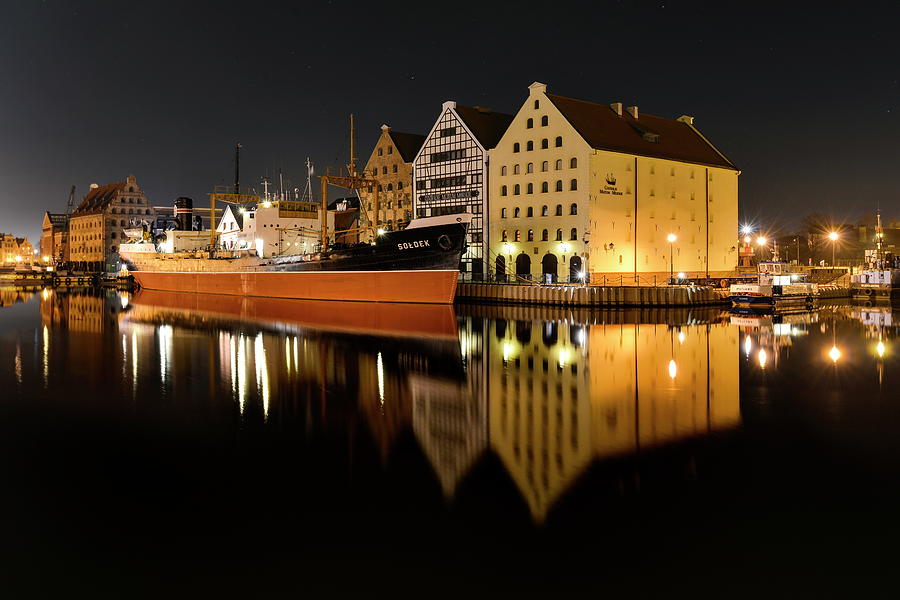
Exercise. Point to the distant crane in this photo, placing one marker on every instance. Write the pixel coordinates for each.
(70, 206)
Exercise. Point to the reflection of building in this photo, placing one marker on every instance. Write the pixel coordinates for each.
(391, 165)
(581, 186)
(55, 236)
(450, 173)
(95, 227)
(564, 395)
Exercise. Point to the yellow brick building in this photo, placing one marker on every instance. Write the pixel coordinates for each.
(580, 189)
(391, 164)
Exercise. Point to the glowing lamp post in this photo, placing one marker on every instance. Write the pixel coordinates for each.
(761, 241)
(671, 239)
(833, 236)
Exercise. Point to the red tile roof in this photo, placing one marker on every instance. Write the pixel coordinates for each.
(648, 135)
(99, 198)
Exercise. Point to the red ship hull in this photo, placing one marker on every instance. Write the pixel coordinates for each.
(421, 286)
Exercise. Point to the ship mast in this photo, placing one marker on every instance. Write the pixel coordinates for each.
(879, 238)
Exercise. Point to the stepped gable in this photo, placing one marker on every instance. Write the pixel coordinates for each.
(99, 198)
(407, 144)
(486, 125)
(648, 135)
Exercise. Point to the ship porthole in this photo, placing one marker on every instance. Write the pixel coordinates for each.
(444, 242)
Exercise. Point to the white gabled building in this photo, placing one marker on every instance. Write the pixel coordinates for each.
(450, 173)
(274, 228)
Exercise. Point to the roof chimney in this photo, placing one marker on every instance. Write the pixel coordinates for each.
(686, 119)
(633, 111)
(385, 128)
(617, 108)
(93, 186)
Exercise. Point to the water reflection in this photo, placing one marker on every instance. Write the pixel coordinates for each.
(548, 393)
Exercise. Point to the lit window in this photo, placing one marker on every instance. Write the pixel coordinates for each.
(503, 236)
(517, 236)
(531, 235)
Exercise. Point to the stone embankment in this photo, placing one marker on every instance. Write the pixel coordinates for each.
(605, 296)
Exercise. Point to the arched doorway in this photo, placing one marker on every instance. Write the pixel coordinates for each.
(575, 269)
(500, 268)
(523, 266)
(549, 266)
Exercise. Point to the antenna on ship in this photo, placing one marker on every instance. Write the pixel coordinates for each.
(879, 236)
(237, 168)
(308, 192)
(280, 184)
(351, 167)
(265, 182)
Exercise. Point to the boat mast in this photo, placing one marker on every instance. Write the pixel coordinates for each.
(879, 238)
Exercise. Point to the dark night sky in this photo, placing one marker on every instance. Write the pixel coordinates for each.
(805, 99)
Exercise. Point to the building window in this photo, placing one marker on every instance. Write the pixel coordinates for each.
(516, 212)
(559, 141)
(544, 166)
(573, 163)
(384, 170)
(558, 164)
(449, 155)
(544, 186)
(529, 146)
(530, 188)
(573, 185)
(529, 123)
(573, 210)
(390, 149)
(529, 168)
(559, 210)
(516, 147)
(558, 185)
(503, 236)
(544, 121)
(545, 235)
(390, 187)
(443, 182)
(530, 235)
(399, 185)
(448, 131)
(503, 216)
(503, 170)
(573, 235)
(559, 235)
(544, 211)
(517, 236)
(502, 190)
(112, 235)
(544, 144)
(380, 151)
(529, 212)
(394, 168)
(516, 190)
(537, 104)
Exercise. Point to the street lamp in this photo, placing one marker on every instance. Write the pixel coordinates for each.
(671, 238)
(833, 236)
(761, 241)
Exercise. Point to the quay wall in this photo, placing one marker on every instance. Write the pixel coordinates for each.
(608, 296)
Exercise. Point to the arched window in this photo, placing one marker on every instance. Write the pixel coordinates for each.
(529, 123)
(573, 163)
(544, 211)
(544, 121)
(516, 147)
(558, 164)
(530, 188)
(515, 169)
(516, 212)
(503, 236)
(559, 210)
(573, 210)
(559, 235)
(112, 235)
(559, 141)
(390, 187)
(530, 235)
(503, 216)
(544, 166)
(573, 185)
(573, 235)
(399, 185)
(384, 170)
(122, 222)
(537, 104)
(502, 190)
(529, 146)
(503, 170)
(545, 235)
(544, 144)
(530, 212)
(131, 188)
(516, 190)
(558, 185)
(517, 236)
(544, 187)
(529, 168)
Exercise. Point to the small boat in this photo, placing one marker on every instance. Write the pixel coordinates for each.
(778, 286)
(880, 280)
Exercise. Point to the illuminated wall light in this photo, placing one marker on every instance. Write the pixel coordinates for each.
(762, 357)
(673, 369)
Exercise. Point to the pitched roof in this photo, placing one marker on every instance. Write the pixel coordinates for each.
(58, 219)
(407, 144)
(21, 240)
(648, 135)
(99, 198)
(486, 125)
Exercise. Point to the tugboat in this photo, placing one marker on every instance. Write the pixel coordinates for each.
(880, 280)
(778, 286)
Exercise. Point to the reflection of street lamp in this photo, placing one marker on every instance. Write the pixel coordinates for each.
(833, 236)
(671, 239)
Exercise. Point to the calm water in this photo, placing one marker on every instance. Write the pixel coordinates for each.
(215, 443)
